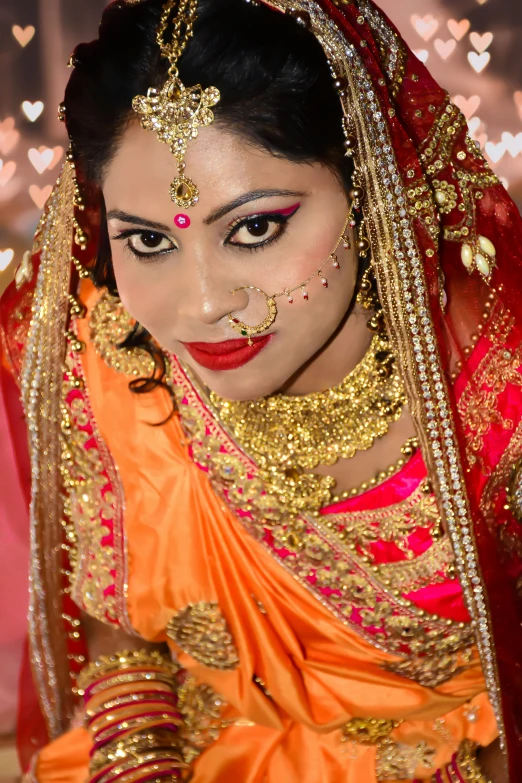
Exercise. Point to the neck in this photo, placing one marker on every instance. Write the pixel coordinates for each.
(336, 359)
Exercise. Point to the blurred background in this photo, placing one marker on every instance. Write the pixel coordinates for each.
(471, 46)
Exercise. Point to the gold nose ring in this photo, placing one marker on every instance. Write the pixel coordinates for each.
(250, 331)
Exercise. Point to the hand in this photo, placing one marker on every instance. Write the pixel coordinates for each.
(492, 763)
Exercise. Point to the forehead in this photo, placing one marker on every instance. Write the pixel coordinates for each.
(222, 164)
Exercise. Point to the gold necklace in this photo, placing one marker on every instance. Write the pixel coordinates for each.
(288, 436)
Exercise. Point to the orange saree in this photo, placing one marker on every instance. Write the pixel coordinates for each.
(362, 643)
(312, 640)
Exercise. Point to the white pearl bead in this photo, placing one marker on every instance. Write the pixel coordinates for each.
(482, 264)
(467, 256)
(440, 197)
(487, 247)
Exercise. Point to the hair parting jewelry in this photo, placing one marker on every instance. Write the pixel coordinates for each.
(250, 331)
(175, 113)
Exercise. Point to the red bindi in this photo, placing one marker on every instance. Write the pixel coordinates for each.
(182, 221)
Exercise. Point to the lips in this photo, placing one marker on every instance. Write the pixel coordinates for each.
(228, 355)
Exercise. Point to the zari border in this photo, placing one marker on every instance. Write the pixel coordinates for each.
(95, 471)
(402, 282)
(41, 383)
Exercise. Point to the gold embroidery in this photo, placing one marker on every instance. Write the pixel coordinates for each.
(396, 761)
(391, 523)
(501, 476)
(433, 670)
(434, 566)
(478, 404)
(437, 151)
(93, 503)
(110, 324)
(202, 632)
(514, 490)
(14, 336)
(368, 731)
(201, 709)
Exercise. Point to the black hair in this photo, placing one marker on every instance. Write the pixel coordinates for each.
(276, 87)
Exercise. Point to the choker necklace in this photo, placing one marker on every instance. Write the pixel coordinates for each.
(288, 436)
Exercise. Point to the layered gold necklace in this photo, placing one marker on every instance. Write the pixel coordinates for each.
(289, 436)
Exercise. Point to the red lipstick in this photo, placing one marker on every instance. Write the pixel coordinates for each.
(228, 355)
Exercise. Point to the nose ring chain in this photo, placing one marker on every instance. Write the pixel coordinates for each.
(245, 330)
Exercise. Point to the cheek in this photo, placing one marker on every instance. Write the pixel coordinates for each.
(326, 305)
(141, 291)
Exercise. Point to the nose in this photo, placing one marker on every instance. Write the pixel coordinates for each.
(209, 298)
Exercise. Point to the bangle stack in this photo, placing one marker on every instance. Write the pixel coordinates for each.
(463, 768)
(132, 716)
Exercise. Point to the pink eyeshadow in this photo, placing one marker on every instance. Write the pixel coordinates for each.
(285, 212)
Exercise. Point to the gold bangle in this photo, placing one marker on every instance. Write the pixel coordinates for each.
(120, 662)
(139, 724)
(139, 743)
(127, 769)
(130, 700)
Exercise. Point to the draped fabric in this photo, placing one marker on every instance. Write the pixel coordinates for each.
(457, 337)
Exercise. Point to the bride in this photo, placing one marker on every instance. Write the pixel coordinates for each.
(269, 353)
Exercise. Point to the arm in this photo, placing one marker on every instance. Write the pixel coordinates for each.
(130, 707)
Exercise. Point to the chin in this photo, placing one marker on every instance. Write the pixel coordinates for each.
(234, 385)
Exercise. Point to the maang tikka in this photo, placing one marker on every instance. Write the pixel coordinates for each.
(177, 112)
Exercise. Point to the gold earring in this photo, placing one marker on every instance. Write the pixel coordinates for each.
(367, 294)
(249, 331)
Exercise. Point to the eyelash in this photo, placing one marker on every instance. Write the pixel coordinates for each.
(144, 257)
(276, 217)
(282, 220)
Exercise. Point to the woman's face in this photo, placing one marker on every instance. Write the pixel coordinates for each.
(260, 221)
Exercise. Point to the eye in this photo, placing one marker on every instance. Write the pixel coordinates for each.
(257, 231)
(146, 243)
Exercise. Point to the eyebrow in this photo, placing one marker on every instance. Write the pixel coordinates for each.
(245, 198)
(252, 195)
(134, 220)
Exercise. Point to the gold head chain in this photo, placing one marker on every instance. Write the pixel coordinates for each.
(177, 112)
